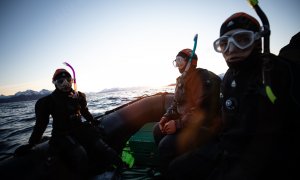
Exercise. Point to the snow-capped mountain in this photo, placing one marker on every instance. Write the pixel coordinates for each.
(31, 92)
(24, 96)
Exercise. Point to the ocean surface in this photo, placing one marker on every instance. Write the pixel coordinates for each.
(18, 118)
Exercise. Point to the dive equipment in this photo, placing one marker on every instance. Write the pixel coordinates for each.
(191, 56)
(74, 77)
(265, 33)
(241, 39)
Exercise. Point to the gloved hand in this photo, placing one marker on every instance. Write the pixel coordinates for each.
(23, 149)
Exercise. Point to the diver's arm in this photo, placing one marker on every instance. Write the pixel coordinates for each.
(42, 114)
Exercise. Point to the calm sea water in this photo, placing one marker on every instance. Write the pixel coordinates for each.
(17, 119)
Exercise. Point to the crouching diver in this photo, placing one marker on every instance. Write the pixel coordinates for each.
(75, 143)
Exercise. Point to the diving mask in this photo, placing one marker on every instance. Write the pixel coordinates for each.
(179, 62)
(241, 39)
(63, 84)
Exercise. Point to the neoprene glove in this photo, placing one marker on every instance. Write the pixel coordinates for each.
(23, 149)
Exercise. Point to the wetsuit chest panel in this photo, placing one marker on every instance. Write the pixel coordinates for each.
(65, 112)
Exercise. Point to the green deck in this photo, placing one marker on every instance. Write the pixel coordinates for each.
(143, 148)
(142, 156)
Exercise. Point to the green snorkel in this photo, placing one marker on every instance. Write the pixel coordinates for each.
(191, 57)
(265, 33)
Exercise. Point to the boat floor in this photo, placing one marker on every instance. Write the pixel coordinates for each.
(141, 155)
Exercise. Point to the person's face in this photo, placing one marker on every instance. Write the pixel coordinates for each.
(64, 84)
(236, 45)
(180, 63)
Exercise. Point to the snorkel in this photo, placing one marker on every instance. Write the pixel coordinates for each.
(265, 33)
(74, 77)
(191, 56)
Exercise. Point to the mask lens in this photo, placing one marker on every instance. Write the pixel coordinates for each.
(221, 44)
(243, 39)
(61, 80)
(178, 62)
(174, 63)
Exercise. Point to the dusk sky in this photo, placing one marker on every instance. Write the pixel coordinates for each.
(115, 43)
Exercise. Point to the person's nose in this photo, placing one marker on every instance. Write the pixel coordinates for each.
(231, 47)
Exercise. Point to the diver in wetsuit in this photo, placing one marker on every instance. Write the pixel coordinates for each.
(78, 144)
(259, 138)
(194, 115)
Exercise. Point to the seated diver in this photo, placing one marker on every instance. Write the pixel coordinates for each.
(194, 115)
(78, 144)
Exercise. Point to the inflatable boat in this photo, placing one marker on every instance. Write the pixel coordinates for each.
(128, 129)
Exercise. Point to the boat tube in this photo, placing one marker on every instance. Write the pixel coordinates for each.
(120, 124)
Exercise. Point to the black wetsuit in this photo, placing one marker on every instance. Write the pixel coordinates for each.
(259, 139)
(66, 112)
(78, 143)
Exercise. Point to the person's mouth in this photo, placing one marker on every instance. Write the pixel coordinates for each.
(233, 59)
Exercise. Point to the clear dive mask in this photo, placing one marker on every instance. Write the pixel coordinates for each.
(63, 84)
(179, 61)
(241, 39)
